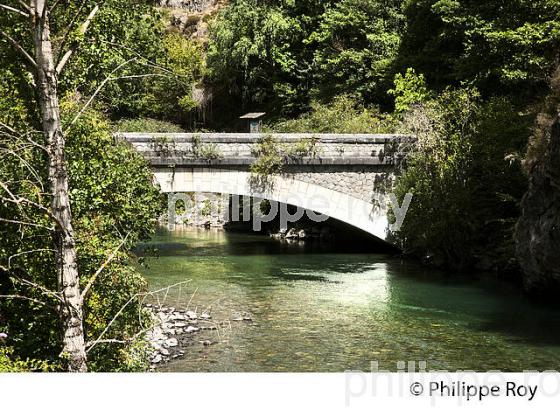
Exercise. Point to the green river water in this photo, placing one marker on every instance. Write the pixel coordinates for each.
(321, 309)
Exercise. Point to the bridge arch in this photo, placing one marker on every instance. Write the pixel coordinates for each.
(284, 188)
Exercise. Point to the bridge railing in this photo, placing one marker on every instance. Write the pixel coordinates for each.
(166, 149)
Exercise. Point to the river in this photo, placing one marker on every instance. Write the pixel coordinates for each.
(323, 308)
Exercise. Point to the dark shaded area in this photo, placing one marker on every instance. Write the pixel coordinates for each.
(342, 238)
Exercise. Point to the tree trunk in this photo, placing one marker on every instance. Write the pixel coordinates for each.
(71, 310)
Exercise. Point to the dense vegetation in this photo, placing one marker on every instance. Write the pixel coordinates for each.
(114, 204)
(467, 77)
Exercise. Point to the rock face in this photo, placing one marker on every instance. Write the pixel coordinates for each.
(189, 5)
(190, 17)
(538, 230)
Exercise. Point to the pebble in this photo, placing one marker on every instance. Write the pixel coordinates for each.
(173, 322)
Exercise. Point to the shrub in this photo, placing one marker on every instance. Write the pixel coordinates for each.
(409, 89)
(147, 125)
(466, 194)
(204, 150)
(13, 364)
(344, 115)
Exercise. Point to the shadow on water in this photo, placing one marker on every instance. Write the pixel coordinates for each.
(500, 307)
(302, 277)
(256, 244)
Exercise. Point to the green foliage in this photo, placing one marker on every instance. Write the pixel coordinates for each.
(163, 146)
(269, 157)
(113, 199)
(279, 55)
(460, 179)
(147, 125)
(169, 95)
(208, 151)
(306, 147)
(11, 364)
(252, 53)
(344, 115)
(13, 111)
(409, 89)
(206, 208)
(503, 48)
(355, 45)
(152, 73)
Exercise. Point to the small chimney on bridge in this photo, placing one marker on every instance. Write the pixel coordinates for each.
(254, 121)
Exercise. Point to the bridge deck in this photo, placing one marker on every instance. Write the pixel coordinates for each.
(168, 149)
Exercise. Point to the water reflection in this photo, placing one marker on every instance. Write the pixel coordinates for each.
(320, 308)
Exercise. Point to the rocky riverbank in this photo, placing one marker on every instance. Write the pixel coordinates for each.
(176, 330)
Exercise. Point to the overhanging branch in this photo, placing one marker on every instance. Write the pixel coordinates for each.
(83, 30)
(102, 267)
(103, 83)
(14, 10)
(25, 6)
(19, 48)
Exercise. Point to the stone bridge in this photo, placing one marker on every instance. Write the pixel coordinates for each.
(337, 175)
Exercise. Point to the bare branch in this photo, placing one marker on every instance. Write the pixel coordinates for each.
(15, 134)
(127, 77)
(25, 6)
(142, 59)
(105, 81)
(18, 200)
(42, 289)
(53, 6)
(40, 302)
(103, 266)
(9, 128)
(91, 344)
(100, 338)
(12, 221)
(71, 24)
(25, 253)
(14, 10)
(19, 48)
(83, 30)
(27, 165)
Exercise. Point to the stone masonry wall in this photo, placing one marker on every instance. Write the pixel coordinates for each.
(329, 148)
(361, 182)
(357, 165)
